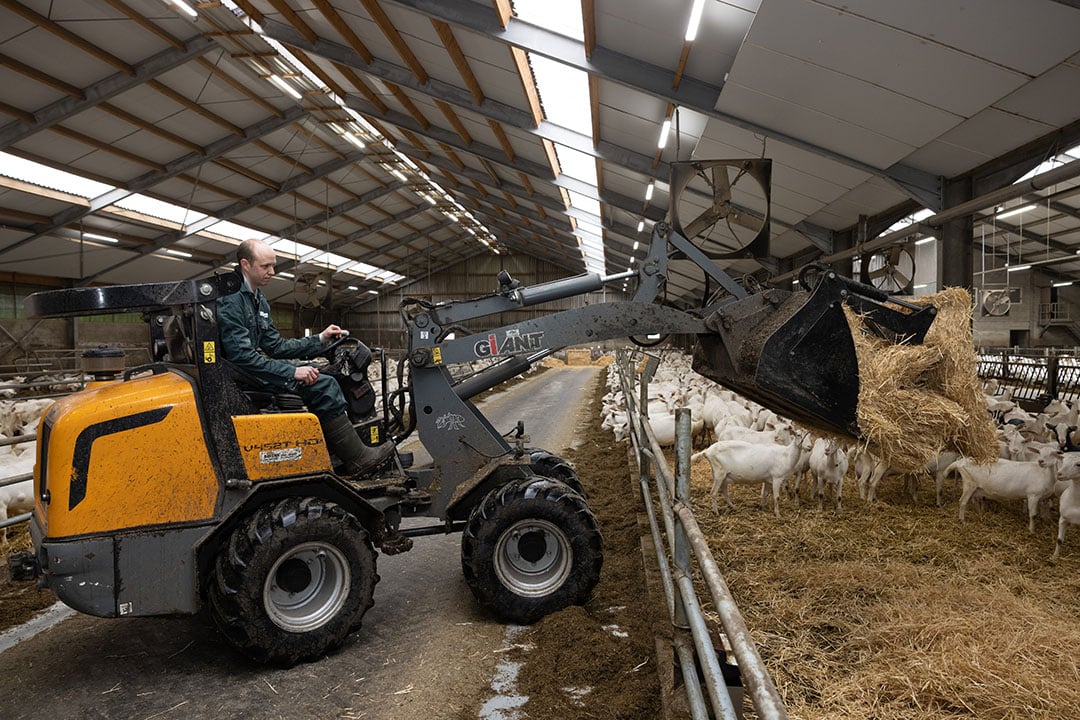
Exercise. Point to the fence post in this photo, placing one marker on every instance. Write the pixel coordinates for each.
(1052, 376)
(681, 549)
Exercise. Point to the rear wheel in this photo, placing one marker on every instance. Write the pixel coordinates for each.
(530, 548)
(293, 580)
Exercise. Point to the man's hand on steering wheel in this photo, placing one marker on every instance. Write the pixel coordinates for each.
(332, 331)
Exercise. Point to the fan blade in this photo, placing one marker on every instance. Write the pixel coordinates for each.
(721, 188)
(899, 278)
(706, 219)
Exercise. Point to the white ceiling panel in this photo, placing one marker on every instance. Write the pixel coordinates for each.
(842, 96)
(945, 159)
(994, 132)
(1027, 35)
(1052, 99)
(719, 137)
(907, 64)
(817, 128)
(648, 31)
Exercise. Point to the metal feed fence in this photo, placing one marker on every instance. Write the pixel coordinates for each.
(1033, 376)
(678, 542)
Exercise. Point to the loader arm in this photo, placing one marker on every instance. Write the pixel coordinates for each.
(791, 351)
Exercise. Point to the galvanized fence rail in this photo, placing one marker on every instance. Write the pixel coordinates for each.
(678, 542)
(1034, 376)
(14, 479)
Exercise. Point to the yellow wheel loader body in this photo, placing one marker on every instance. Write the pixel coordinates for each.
(125, 455)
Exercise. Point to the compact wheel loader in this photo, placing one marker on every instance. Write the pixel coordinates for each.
(178, 487)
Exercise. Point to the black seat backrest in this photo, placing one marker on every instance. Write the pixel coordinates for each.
(259, 396)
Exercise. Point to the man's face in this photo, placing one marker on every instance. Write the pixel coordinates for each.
(260, 269)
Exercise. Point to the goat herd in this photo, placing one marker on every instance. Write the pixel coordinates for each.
(1039, 453)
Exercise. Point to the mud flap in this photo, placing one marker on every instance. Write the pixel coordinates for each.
(793, 351)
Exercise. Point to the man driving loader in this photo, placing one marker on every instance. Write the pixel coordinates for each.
(252, 344)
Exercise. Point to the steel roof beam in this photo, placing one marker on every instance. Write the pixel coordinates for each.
(463, 99)
(442, 163)
(555, 223)
(211, 152)
(294, 182)
(360, 234)
(341, 208)
(105, 89)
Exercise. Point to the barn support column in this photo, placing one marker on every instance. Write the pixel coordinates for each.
(844, 240)
(954, 260)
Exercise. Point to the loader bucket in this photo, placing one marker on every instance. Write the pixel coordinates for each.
(793, 351)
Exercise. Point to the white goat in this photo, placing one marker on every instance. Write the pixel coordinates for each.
(1015, 479)
(829, 464)
(749, 463)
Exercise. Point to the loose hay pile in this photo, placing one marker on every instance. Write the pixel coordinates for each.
(916, 401)
(896, 611)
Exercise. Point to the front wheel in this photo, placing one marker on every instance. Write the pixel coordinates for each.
(293, 581)
(530, 548)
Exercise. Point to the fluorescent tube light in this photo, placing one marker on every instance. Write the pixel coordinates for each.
(665, 130)
(102, 238)
(925, 240)
(178, 253)
(649, 191)
(180, 4)
(1063, 284)
(641, 226)
(286, 87)
(1018, 268)
(1014, 211)
(695, 20)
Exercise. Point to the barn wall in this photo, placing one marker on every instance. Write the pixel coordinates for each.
(1039, 316)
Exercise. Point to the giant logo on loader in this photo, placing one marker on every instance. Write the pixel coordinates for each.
(514, 342)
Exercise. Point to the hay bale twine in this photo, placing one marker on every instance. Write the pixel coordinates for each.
(916, 401)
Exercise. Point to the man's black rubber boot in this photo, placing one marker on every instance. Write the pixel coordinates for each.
(358, 458)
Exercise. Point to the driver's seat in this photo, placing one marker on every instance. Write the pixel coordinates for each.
(261, 399)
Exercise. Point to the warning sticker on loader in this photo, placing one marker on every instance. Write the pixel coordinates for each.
(209, 352)
(277, 456)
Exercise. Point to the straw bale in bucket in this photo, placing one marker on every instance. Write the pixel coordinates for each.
(916, 401)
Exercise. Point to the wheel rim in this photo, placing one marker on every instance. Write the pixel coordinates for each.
(533, 558)
(307, 586)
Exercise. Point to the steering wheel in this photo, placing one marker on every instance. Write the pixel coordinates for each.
(336, 353)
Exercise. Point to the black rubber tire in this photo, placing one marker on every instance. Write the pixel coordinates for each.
(530, 548)
(553, 466)
(318, 549)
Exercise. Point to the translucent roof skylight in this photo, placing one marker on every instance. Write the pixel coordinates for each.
(43, 176)
(46, 177)
(157, 208)
(564, 93)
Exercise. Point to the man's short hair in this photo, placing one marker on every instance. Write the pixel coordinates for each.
(246, 250)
